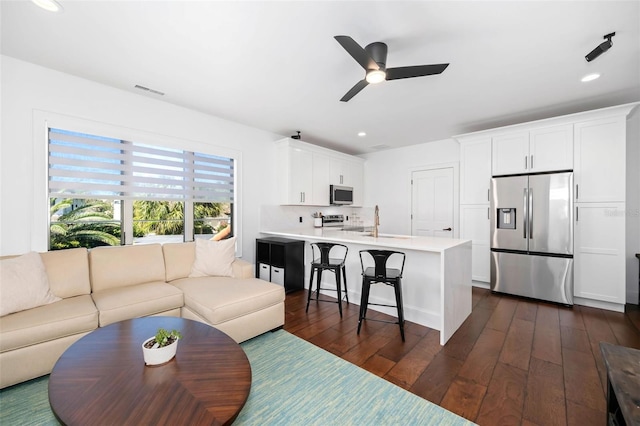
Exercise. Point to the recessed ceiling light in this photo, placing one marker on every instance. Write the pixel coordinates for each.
(362, 134)
(590, 77)
(50, 5)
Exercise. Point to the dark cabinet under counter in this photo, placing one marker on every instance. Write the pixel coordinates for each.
(281, 261)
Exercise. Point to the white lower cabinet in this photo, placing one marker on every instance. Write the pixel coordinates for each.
(474, 226)
(599, 252)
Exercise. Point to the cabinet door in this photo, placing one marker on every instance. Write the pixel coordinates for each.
(551, 149)
(599, 257)
(475, 171)
(474, 226)
(356, 180)
(599, 163)
(338, 171)
(510, 154)
(300, 176)
(321, 180)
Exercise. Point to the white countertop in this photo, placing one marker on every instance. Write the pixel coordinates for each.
(407, 242)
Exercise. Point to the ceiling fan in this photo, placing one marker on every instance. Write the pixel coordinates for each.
(373, 58)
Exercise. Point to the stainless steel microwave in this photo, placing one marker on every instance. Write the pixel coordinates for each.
(340, 195)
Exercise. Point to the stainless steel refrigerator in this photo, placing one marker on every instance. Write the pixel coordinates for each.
(532, 236)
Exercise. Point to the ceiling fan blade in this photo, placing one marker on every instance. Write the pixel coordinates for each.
(415, 71)
(354, 90)
(357, 52)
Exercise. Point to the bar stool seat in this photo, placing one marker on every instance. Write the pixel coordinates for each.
(381, 274)
(321, 254)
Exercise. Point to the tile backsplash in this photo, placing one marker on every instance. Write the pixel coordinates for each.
(277, 217)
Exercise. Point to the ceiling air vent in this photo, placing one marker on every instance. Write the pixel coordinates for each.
(146, 89)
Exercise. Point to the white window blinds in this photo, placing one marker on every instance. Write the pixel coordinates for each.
(88, 166)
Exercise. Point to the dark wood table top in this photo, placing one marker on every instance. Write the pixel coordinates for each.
(623, 371)
(102, 378)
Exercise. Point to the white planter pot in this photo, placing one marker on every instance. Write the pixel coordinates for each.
(159, 355)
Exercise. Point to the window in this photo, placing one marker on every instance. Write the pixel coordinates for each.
(106, 191)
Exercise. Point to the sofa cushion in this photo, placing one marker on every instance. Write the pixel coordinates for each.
(122, 266)
(178, 259)
(214, 258)
(68, 271)
(118, 304)
(24, 284)
(220, 299)
(57, 320)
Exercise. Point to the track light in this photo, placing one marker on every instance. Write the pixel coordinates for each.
(603, 47)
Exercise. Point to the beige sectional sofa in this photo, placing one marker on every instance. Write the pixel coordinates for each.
(110, 284)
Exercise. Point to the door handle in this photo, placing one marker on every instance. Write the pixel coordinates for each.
(530, 213)
(447, 229)
(526, 221)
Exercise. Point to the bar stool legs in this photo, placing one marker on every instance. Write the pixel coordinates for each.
(335, 265)
(399, 304)
(379, 273)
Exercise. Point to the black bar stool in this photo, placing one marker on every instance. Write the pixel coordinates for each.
(322, 261)
(380, 274)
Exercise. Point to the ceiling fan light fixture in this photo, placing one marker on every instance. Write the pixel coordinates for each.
(49, 5)
(375, 76)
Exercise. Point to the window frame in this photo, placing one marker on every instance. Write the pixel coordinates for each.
(43, 120)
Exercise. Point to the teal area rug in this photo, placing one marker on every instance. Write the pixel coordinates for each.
(294, 383)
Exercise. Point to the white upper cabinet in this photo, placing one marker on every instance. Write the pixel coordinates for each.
(305, 173)
(295, 175)
(600, 160)
(321, 180)
(475, 171)
(339, 172)
(356, 180)
(551, 148)
(537, 150)
(510, 154)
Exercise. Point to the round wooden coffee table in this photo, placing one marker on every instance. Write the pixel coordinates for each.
(102, 378)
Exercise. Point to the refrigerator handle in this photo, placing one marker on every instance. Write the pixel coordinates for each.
(530, 213)
(526, 215)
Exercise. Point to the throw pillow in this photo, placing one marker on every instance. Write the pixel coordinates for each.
(24, 284)
(214, 258)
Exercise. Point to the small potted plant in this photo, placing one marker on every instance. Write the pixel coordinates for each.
(161, 348)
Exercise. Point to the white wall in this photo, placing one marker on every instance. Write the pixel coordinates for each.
(387, 177)
(29, 90)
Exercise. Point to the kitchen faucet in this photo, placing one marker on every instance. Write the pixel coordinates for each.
(376, 222)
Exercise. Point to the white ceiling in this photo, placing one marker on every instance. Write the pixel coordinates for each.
(275, 65)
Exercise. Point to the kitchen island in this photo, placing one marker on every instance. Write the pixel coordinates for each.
(436, 283)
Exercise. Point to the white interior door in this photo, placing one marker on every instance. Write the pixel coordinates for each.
(432, 203)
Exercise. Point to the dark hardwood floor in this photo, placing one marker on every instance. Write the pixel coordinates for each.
(513, 361)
